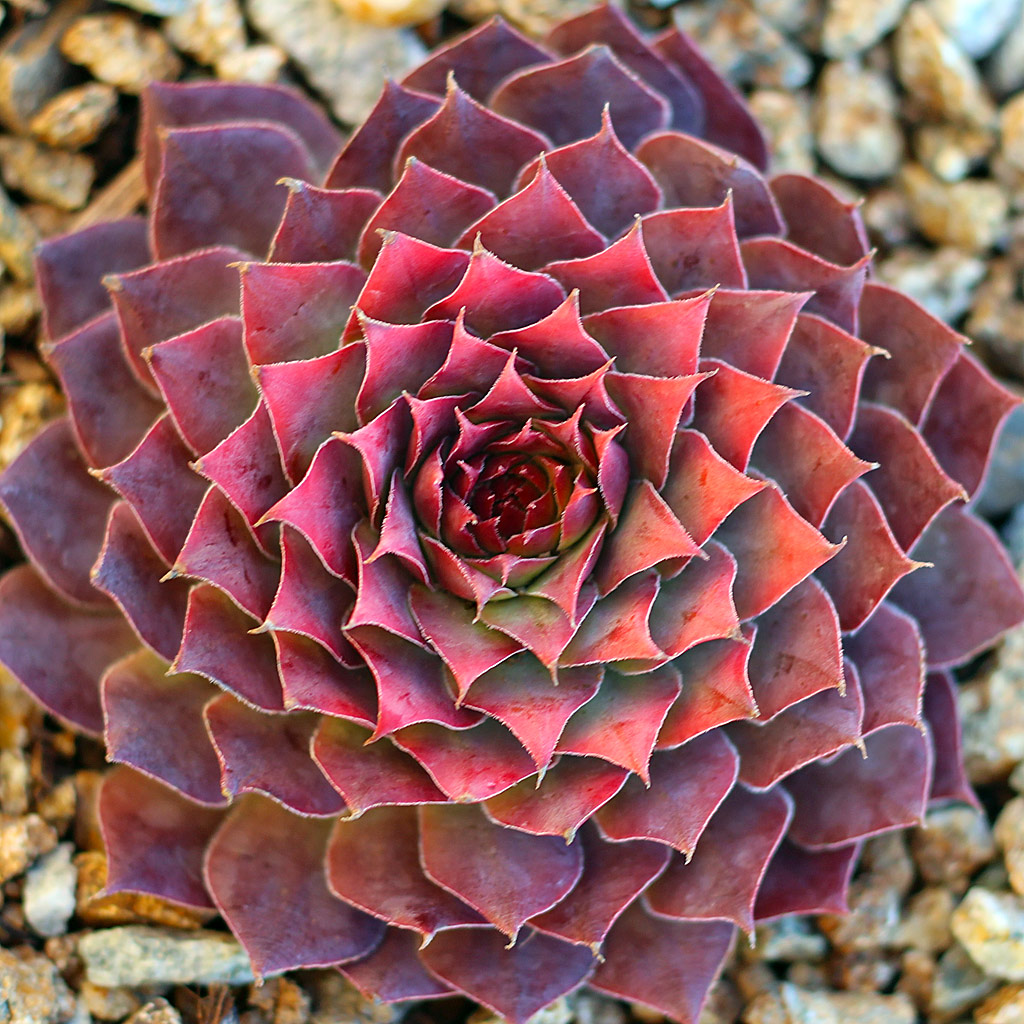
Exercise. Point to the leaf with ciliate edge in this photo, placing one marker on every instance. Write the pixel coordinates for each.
(514, 981)
(310, 926)
(373, 862)
(393, 972)
(949, 779)
(313, 680)
(154, 839)
(802, 881)
(321, 225)
(818, 220)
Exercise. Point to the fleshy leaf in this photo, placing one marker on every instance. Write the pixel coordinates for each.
(393, 972)
(802, 881)
(321, 225)
(949, 779)
(312, 679)
(819, 220)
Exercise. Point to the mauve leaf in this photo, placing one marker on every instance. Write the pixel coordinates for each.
(802, 881)
(866, 569)
(585, 84)
(716, 691)
(56, 650)
(58, 511)
(204, 378)
(572, 789)
(216, 186)
(369, 774)
(154, 723)
(320, 225)
(921, 348)
(433, 206)
(773, 263)
(381, 445)
(522, 696)
(608, 184)
(130, 571)
(311, 928)
(373, 862)
(909, 483)
(147, 304)
(393, 972)
(695, 173)
(949, 778)
(158, 483)
(620, 275)
(469, 765)
(91, 366)
(723, 878)
(312, 679)
(70, 270)
(509, 230)
(296, 310)
(969, 597)
(219, 644)
(668, 965)
(515, 982)
(473, 143)
(614, 874)
(154, 839)
(221, 549)
(269, 754)
(818, 220)
(369, 155)
(858, 795)
(507, 875)
(381, 593)
(687, 785)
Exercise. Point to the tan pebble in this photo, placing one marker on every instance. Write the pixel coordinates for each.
(57, 806)
(19, 308)
(109, 1003)
(1004, 1006)
(1009, 834)
(14, 772)
(785, 118)
(917, 975)
(22, 841)
(18, 239)
(75, 117)
(937, 73)
(1011, 132)
(23, 410)
(120, 51)
(970, 214)
(958, 984)
(851, 26)
(31, 990)
(952, 845)
(87, 826)
(924, 924)
(48, 175)
(208, 29)
(281, 1000)
(156, 1011)
(951, 152)
(261, 64)
(392, 13)
(793, 1005)
(990, 926)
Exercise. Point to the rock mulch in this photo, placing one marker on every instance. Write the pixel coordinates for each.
(917, 105)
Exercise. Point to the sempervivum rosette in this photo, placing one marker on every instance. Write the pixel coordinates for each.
(515, 541)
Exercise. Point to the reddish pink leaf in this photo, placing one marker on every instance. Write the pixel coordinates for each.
(218, 644)
(856, 796)
(320, 225)
(373, 862)
(312, 679)
(91, 367)
(515, 982)
(801, 881)
(393, 972)
(557, 805)
(695, 173)
(722, 880)
(818, 220)
(668, 965)
(473, 143)
(382, 592)
(865, 570)
(130, 571)
(796, 650)
(585, 84)
(716, 690)
(564, 581)
(609, 185)
(774, 548)
(614, 874)
(509, 876)
(369, 774)
(687, 785)
(154, 839)
(57, 651)
(381, 445)
(509, 398)
(58, 511)
(259, 840)
(469, 765)
(154, 723)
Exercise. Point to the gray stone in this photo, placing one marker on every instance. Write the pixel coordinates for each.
(22, 841)
(942, 280)
(1005, 1006)
(347, 61)
(970, 215)
(793, 1005)
(789, 939)
(49, 894)
(1011, 132)
(952, 151)
(952, 845)
(337, 999)
(32, 991)
(156, 1011)
(208, 29)
(924, 924)
(958, 984)
(785, 119)
(976, 25)
(161, 8)
(1006, 66)
(52, 176)
(855, 122)
(139, 955)
(990, 926)
(534, 16)
(1009, 835)
(851, 26)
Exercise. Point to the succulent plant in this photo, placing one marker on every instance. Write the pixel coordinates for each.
(515, 552)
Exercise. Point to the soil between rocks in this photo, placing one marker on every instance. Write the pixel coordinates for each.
(916, 106)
